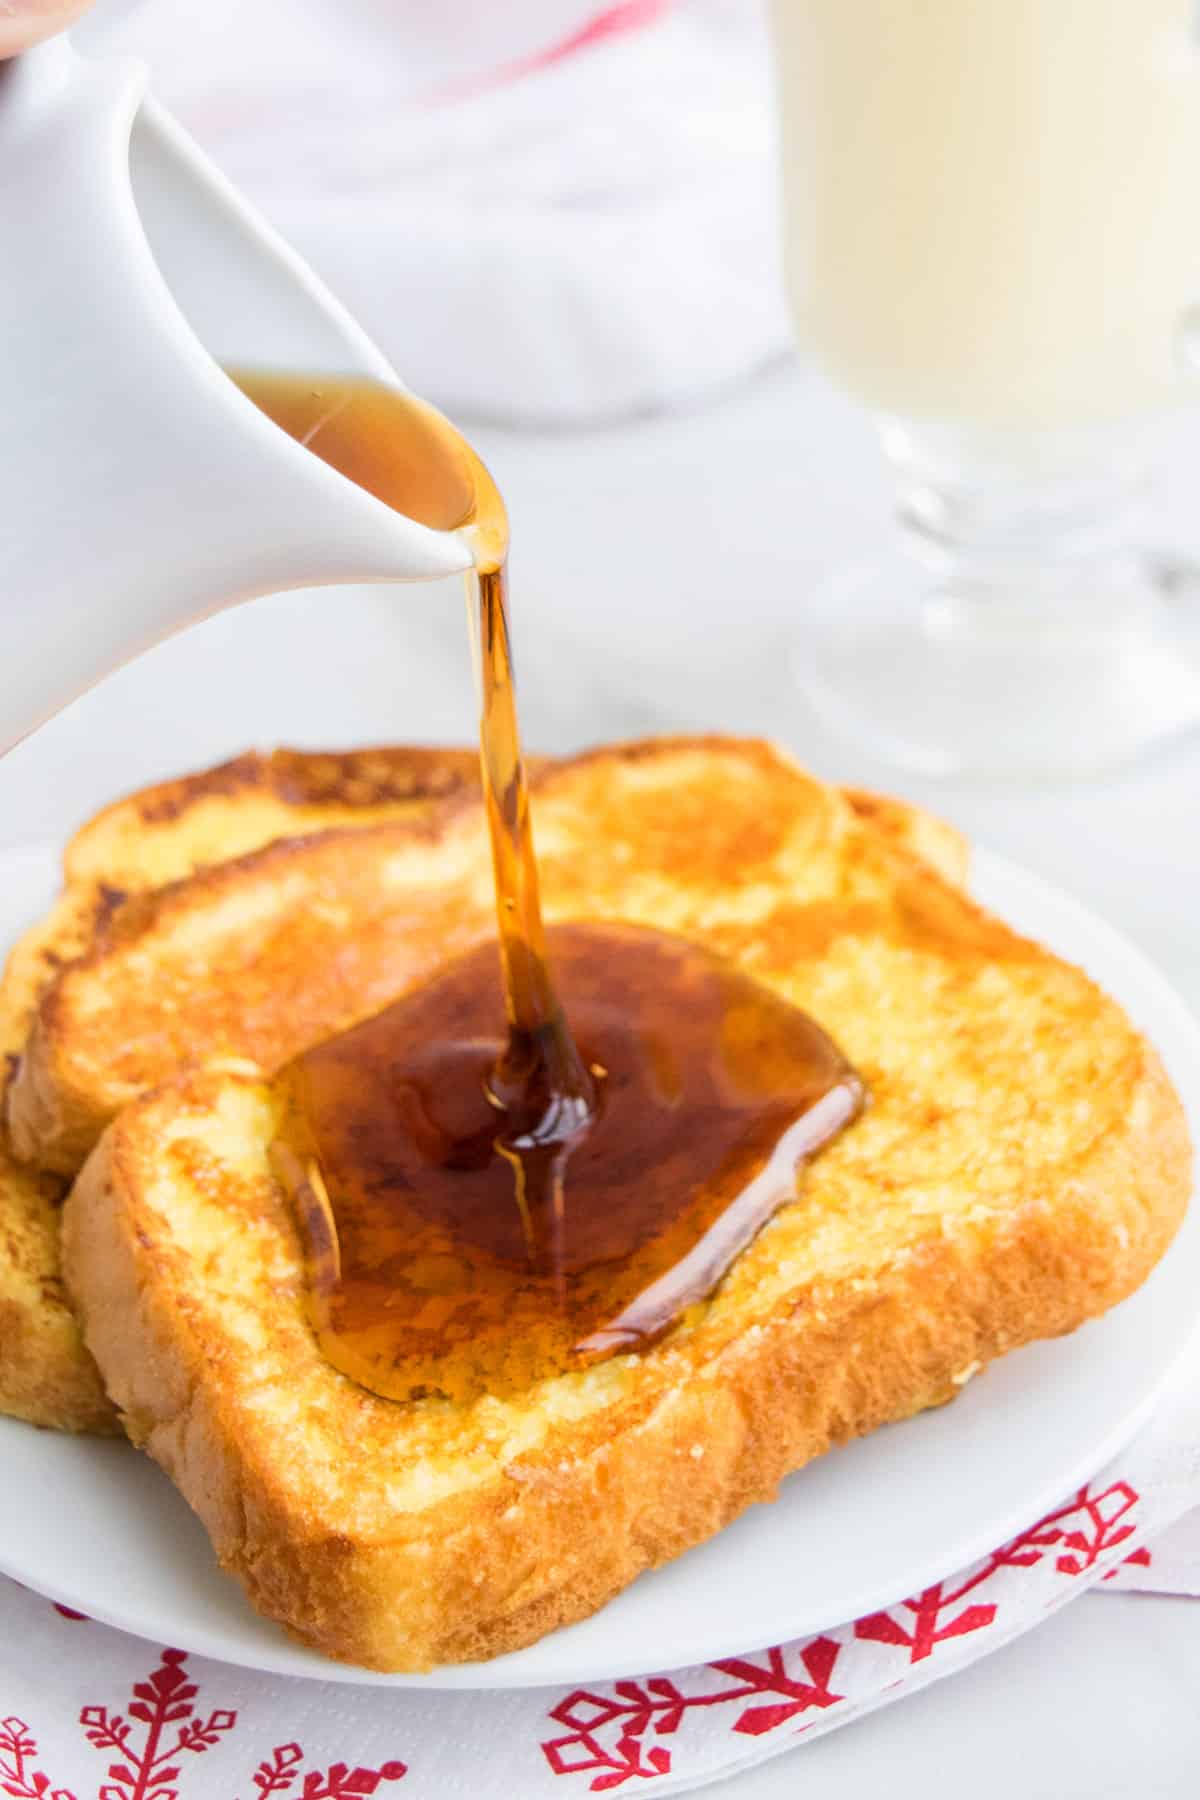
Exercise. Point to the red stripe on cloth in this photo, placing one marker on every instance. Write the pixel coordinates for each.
(614, 21)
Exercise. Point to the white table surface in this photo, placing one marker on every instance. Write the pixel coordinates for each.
(659, 568)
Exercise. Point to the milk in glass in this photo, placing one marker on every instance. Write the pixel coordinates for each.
(992, 207)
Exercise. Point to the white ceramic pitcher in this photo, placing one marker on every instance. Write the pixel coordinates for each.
(139, 489)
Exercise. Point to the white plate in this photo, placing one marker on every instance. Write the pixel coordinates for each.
(96, 1526)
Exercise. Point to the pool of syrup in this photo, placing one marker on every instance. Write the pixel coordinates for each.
(431, 1271)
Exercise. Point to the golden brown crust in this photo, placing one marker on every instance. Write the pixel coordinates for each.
(560, 1529)
(286, 793)
(46, 1374)
(161, 833)
(922, 833)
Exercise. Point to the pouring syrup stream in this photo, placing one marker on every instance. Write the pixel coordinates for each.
(640, 1167)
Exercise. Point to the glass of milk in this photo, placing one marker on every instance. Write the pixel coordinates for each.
(991, 214)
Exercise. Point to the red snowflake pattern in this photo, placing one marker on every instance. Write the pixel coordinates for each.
(17, 1775)
(1137, 1559)
(608, 1732)
(659, 1705)
(923, 1631)
(338, 1782)
(611, 1736)
(158, 1730)
(1086, 1528)
(148, 1771)
(1082, 1529)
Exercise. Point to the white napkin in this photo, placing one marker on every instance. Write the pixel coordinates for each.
(551, 210)
(1173, 1567)
(87, 1711)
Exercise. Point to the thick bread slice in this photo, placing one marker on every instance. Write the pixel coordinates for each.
(257, 957)
(1022, 1165)
(158, 835)
(46, 1375)
(163, 834)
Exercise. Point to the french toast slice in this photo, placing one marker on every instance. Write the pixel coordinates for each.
(46, 1375)
(161, 835)
(1022, 1164)
(165, 832)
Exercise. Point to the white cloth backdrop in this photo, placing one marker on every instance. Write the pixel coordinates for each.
(552, 210)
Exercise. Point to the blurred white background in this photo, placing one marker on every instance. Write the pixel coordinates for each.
(541, 210)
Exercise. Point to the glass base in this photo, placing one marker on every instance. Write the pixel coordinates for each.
(1065, 677)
